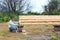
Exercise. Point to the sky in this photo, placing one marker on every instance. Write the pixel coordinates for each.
(38, 5)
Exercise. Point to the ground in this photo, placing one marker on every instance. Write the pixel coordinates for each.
(33, 32)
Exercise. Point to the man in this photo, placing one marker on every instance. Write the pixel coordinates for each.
(12, 25)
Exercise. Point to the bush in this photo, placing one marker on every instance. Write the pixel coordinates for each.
(33, 13)
(5, 16)
(54, 38)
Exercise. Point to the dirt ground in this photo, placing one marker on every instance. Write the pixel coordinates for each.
(33, 32)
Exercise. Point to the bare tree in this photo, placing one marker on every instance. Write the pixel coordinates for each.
(16, 5)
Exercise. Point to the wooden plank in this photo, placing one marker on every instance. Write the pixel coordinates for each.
(40, 23)
(39, 17)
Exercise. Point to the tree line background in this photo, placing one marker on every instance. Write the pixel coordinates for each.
(15, 8)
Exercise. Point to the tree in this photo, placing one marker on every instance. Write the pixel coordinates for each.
(46, 8)
(53, 5)
(15, 5)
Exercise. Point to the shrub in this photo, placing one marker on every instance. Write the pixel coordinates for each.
(54, 38)
(5, 16)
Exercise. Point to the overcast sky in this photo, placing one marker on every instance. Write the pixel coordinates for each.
(38, 5)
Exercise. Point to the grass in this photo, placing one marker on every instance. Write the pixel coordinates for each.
(31, 30)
